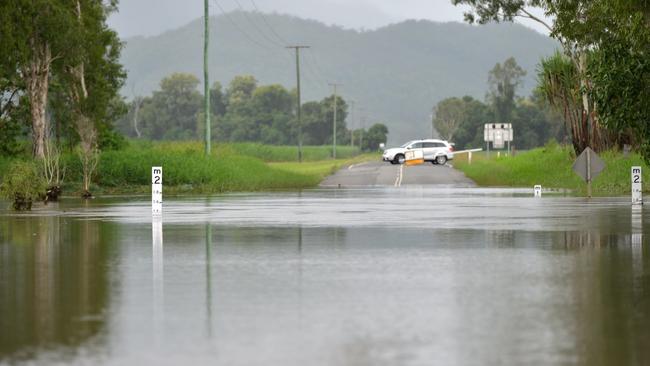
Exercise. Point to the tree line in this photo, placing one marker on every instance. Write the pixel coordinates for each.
(600, 79)
(462, 119)
(242, 112)
(59, 71)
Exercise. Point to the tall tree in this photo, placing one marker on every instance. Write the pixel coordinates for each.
(450, 114)
(34, 35)
(573, 21)
(503, 81)
(172, 112)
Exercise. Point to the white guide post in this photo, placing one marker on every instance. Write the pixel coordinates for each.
(156, 190)
(637, 185)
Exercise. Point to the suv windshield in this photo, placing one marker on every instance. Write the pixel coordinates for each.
(406, 144)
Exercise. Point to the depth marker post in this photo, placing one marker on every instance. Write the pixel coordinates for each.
(637, 185)
(156, 190)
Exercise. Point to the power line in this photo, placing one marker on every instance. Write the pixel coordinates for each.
(314, 59)
(251, 39)
(250, 20)
(267, 23)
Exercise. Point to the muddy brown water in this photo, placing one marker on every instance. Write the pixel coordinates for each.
(417, 276)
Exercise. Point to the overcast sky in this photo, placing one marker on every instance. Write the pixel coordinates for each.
(151, 17)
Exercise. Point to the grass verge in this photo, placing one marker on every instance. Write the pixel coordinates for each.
(551, 166)
(230, 167)
(322, 169)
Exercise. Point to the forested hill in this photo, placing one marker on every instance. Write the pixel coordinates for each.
(395, 74)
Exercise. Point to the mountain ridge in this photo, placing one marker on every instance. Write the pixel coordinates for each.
(395, 73)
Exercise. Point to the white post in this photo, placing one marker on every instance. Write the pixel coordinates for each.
(156, 190)
(469, 158)
(538, 190)
(637, 186)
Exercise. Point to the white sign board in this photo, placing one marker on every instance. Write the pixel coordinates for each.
(498, 134)
(637, 186)
(537, 190)
(156, 190)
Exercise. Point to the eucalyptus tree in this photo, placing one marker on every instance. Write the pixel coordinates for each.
(573, 26)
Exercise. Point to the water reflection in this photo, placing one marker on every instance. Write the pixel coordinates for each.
(239, 295)
(208, 278)
(53, 282)
(158, 273)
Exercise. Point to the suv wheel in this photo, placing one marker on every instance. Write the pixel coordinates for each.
(441, 159)
(399, 159)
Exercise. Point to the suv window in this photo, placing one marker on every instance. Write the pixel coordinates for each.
(440, 144)
(427, 145)
(417, 145)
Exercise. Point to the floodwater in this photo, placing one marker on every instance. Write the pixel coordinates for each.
(417, 276)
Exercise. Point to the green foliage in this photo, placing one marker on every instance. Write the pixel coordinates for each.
(171, 113)
(63, 43)
(532, 120)
(450, 114)
(246, 112)
(377, 134)
(504, 81)
(186, 166)
(551, 166)
(620, 70)
(601, 87)
(273, 153)
(22, 183)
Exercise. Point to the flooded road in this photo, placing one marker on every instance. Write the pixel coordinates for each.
(414, 276)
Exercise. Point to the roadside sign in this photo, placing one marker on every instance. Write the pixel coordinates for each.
(156, 190)
(588, 165)
(414, 157)
(637, 186)
(596, 165)
(538, 190)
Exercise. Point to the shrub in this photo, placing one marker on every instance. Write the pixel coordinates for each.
(23, 184)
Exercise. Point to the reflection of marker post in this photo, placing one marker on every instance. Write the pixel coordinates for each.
(637, 186)
(157, 276)
(156, 190)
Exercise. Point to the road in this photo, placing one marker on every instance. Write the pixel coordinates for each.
(384, 174)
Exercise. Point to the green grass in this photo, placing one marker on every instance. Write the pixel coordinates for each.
(323, 168)
(273, 153)
(230, 167)
(551, 166)
(268, 153)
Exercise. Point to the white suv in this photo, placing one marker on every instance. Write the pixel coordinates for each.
(435, 151)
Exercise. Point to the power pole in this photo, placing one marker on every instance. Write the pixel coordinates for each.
(335, 85)
(206, 79)
(352, 102)
(299, 111)
(363, 125)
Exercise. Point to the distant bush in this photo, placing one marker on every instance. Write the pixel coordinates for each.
(23, 184)
(273, 153)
